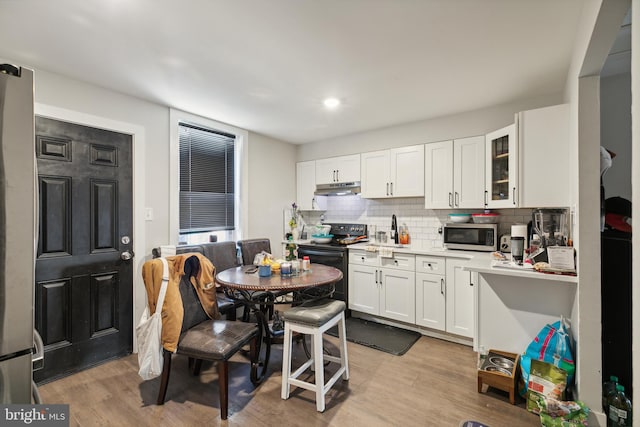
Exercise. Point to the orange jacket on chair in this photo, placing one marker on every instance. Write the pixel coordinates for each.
(172, 310)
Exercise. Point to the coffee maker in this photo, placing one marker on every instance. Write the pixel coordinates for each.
(551, 226)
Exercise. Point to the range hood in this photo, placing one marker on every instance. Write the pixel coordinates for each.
(338, 189)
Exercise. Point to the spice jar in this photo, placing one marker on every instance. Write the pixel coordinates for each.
(306, 263)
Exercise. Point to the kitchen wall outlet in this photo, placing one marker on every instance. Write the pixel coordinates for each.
(148, 214)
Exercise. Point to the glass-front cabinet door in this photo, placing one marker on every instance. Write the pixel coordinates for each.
(501, 184)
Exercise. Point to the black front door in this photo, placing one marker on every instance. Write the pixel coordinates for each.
(83, 289)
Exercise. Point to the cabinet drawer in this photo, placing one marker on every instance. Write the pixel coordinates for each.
(430, 265)
(363, 258)
(399, 261)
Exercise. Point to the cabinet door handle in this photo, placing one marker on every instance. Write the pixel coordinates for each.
(387, 188)
(391, 189)
(376, 276)
(450, 199)
(486, 198)
(338, 175)
(335, 175)
(381, 277)
(442, 286)
(457, 199)
(313, 202)
(514, 196)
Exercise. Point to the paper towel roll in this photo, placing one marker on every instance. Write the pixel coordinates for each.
(520, 230)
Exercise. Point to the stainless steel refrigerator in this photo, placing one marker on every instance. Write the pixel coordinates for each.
(17, 232)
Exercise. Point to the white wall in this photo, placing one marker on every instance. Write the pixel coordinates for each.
(600, 22)
(271, 163)
(55, 90)
(615, 131)
(272, 187)
(472, 123)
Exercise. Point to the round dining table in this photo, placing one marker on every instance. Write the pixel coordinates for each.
(244, 284)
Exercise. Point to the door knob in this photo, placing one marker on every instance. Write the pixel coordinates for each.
(126, 255)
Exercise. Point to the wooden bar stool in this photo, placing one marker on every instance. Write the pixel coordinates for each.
(314, 319)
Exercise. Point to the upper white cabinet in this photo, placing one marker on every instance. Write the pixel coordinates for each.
(454, 174)
(398, 172)
(306, 187)
(338, 169)
(543, 136)
(501, 183)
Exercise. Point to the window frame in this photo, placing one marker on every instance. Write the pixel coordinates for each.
(241, 181)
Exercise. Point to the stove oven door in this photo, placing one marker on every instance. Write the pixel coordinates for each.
(334, 257)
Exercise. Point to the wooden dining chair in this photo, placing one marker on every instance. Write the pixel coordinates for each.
(202, 338)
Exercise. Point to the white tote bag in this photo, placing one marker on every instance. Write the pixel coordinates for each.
(149, 334)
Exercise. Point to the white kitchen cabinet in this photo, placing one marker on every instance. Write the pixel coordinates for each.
(501, 171)
(382, 286)
(364, 289)
(431, 292)
(543, 139)
(445, 295)
(454, 174)
(460, 313)
(397, 294)
(431, 301)
(398, 172)
(306, 187)
(338, 169)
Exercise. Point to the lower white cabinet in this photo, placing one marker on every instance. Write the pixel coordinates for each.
(430, 291)
(444, 295)
(430, 301)
(387, 291)
(460, 299)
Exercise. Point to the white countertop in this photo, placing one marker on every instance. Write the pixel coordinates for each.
(423, 247)
(484, 267)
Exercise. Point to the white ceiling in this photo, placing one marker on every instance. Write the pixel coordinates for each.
(266, 65)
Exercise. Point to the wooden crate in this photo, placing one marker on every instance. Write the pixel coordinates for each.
(498, 379)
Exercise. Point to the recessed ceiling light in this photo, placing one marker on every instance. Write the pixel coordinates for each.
(331, 103)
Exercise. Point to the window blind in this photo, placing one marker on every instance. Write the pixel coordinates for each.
(207, 198)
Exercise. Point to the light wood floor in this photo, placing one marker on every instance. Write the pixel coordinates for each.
(433, 384)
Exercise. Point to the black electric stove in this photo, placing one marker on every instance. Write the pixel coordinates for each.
(335, 254)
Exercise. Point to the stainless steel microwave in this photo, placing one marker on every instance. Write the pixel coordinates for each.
(471, 237)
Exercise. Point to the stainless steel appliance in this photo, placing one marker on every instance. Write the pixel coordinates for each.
(471, 237)
(335, 254)
(338, 189)
(17, 233)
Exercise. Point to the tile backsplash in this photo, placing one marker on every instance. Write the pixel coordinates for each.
(422, 224)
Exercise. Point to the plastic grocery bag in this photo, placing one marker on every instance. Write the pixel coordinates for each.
(555, 413)
(551, 345)
(149, 334)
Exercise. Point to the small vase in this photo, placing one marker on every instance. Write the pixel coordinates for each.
(295, 233)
